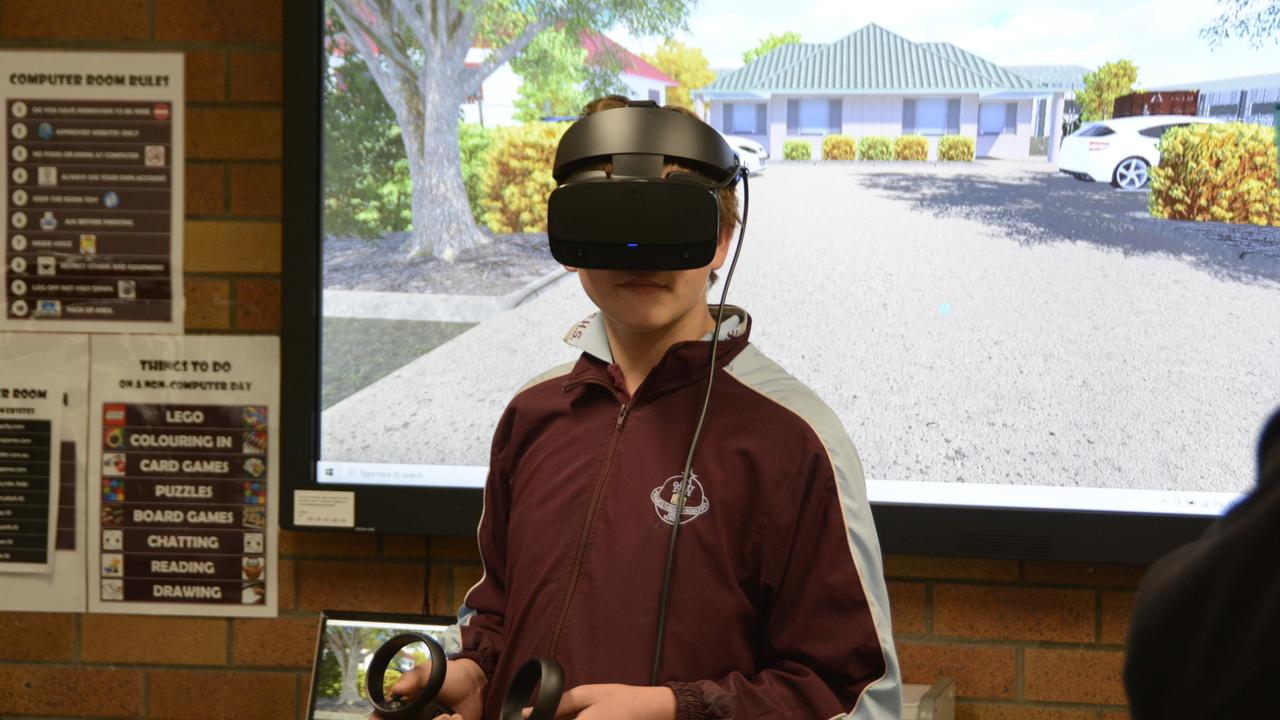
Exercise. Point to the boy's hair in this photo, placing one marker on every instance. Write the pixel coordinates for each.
(728, 195)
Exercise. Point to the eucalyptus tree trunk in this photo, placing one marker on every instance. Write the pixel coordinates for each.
(345, 643)
(416, 53)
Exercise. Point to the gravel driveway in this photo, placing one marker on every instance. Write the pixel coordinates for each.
(987, 323)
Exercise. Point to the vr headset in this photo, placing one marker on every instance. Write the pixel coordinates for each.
(635, 219)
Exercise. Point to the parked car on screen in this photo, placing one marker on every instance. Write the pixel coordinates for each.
(1120, 151)
(752, 153)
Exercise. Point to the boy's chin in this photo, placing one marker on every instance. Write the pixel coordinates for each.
(640, 319)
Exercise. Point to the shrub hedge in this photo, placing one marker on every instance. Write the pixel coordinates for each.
(516, 180)
(956, 148)
(911, 147)
(875, 147)
(473, 152)
(797, 150)
(839, 147)
(1222, 172)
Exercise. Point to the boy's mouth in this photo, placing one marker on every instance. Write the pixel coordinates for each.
(641, 284)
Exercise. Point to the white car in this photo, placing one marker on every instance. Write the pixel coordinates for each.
(752, 153)
(1120, 151)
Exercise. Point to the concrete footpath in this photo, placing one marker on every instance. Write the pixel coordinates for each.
(953, 349)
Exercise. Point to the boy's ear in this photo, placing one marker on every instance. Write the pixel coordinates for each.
(570, 268)
(722, 247)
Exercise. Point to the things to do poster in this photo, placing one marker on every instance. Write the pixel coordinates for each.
(91, 191)
(183, 451)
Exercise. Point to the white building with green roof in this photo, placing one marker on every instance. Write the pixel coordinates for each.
(876, 82)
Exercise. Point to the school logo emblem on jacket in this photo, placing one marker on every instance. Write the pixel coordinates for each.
(665, 498)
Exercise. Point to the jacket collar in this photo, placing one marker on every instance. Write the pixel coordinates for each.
(683, 363)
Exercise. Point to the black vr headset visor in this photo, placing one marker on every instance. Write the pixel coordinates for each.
(636, 219)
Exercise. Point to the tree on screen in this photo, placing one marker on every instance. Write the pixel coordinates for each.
(366, 175)
(770, 43)
(416, 53)
(348, 646)
(1257, 21)
(557, 78)
(1103, 86)
(686, 65)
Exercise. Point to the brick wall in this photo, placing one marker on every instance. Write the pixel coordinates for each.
(1024, 640)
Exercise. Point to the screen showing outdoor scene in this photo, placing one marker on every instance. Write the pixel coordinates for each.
(1029, 252)
(346, 651)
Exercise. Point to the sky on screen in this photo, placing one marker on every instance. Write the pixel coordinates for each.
(1159, 36)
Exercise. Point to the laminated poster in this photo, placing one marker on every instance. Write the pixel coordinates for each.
(91, 192)
(184, 460)
(43, 423)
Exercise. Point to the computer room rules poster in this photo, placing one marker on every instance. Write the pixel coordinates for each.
(91, 193)
(43, 420)
(184, 460)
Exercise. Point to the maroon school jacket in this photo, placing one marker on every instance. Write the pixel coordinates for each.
(777, 606)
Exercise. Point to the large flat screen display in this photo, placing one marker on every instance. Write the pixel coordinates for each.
(992, 236)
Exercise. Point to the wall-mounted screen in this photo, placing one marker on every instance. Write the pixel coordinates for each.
(1011, 296)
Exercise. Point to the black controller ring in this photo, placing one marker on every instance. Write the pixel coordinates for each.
(424, 702)
(548, 677)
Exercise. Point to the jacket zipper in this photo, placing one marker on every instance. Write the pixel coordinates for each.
(586, 528)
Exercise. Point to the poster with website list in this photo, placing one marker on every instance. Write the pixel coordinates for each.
(30, 420)
(183, 457)
(43, 420)
(91, 191)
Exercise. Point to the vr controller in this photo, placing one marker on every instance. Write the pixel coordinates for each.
(545, 675)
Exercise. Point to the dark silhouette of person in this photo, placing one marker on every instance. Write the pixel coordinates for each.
(1204, 640)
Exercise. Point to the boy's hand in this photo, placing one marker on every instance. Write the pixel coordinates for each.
(617, 702)
(463, 690)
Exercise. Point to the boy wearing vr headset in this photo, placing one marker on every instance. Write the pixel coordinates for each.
(773, 603)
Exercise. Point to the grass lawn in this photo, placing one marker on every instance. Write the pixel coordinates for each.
(358, 352)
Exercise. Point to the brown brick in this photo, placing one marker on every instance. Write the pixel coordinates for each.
(206, 76)
(986, 711)
(980, 671)
(233, 133)
(191, 695)
(36, 636)
(325, 543)
(256, 76)
(919, 566)
(277, 642)
(230, 21)
(249, 247)
(1013, 613)
(449, 547)
(288, 587)
(464, 578)
(75, 20)
(255, 190)
(258, 305)
(440, 589)
(206, 190)
(906, 606)
(208, 304)
(1085, 676)
(1117, 607)
(150, 639)
(70, 691)
(1116, 715)
(364, 585)
(1085, 574)
(405, 546)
